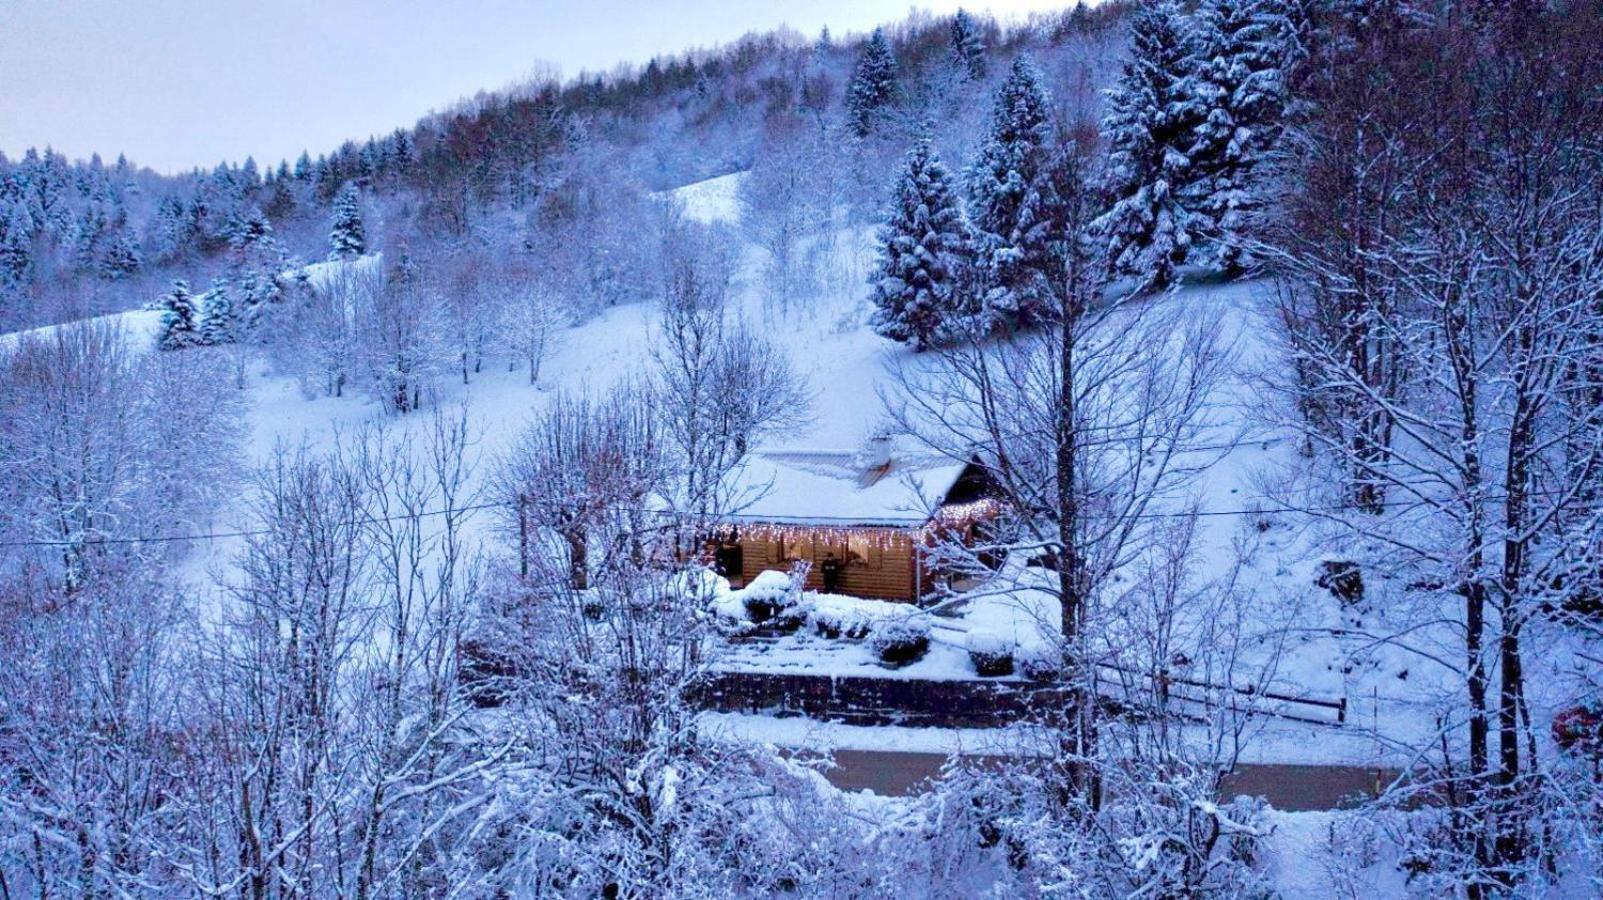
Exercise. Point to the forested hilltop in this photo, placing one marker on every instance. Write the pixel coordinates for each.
(528, 166)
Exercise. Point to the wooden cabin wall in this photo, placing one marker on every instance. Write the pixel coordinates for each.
(888, 573)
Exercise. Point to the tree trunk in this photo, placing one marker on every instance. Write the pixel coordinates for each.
(578, 557)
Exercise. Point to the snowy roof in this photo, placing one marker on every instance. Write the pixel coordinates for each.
(833, 487)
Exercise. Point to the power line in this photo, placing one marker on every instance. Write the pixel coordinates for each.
(255, 532)
(859, 521)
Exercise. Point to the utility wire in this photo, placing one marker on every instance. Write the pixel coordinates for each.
(861, 522)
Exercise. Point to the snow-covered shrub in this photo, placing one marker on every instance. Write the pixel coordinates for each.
(898, 642)
(841, 623)
(1039, 661)
(991, 653)
(852, 618)
(730, 610)
(773, 598)
(699, 584)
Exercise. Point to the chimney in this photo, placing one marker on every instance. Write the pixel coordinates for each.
(875, 459)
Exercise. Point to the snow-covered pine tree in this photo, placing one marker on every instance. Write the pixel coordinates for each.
(87, 233)
(179, 321)
(403, 151)
(347, 237)
(923, 249)
(167, 235)
(968, 45)
(872, 87)
(1241, 54)
(16, 245)
(121, 258)
(255, 273)
(1152, 114)
(281, 197)
(220, 316)
(1009, 255)
(251, 233)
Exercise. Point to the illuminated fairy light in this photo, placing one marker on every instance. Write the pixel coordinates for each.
(957, 517)
(961, 517)
(878, 537)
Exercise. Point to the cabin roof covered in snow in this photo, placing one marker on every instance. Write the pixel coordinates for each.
(834, 487)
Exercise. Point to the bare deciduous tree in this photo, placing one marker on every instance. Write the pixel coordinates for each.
(720, 388)
(1490, 473)
(1087, 425)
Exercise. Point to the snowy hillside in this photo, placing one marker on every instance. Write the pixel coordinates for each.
(1142, 450)
(846, 368)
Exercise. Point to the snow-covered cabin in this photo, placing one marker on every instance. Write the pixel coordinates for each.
(863, 520)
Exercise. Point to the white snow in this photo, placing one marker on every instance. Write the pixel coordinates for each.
(844, 363)
(712, 200)
(139, 326)
(828, 487)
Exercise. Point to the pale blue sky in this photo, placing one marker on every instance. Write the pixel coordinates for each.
(179, 83)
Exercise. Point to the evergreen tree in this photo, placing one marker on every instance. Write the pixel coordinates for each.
(872, 87)
(258, 289)
(179, 319)
(124, 171)
(121, 258)
(221, 322)
(346, 235)
(917, 284)
(1241, 54)
(168, 233)
(303, 167)
(86, 236)
(251, 232)
(257, 265)
(1150, 124)
(281, 198)
(968, 46)
(403, 152)
(1010, 259)
(16, 245)
(369, 160)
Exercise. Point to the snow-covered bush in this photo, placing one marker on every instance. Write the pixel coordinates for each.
(991, 653)
(851, 618)
(1039, 661)
(767, 595)
(699, 584)
(841, 623)
(774, 600)
(898, 642)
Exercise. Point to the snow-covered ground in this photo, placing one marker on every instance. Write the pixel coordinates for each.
(712, 200)
(1387, 685)
(139, 325)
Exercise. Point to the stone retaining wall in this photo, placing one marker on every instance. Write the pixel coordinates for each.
(867, 700)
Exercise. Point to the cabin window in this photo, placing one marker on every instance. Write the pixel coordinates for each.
(865, 551)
